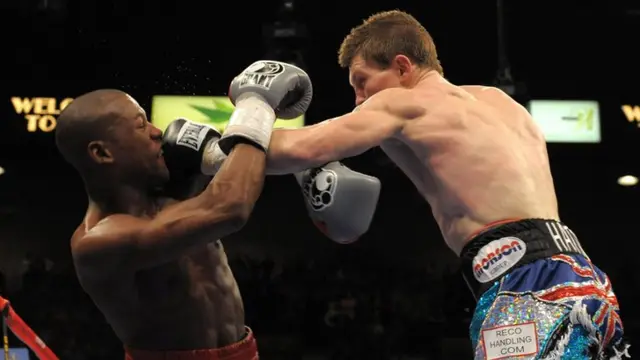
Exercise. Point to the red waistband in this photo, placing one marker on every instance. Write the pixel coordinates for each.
(245, 349)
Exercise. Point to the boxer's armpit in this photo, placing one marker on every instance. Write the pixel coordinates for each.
(293, 150)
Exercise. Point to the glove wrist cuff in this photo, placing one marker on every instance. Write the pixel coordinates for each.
(212, 159)
(253, 120)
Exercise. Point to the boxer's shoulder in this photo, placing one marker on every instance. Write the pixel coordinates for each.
(481, 89)
(490, 95)
(405, 104)
(92, 244)
(383, 98)
(496, 105)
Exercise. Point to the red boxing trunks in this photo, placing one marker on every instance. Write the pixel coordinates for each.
(245, 349)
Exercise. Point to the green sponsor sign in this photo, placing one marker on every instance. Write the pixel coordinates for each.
(212, 110)
(567, 121)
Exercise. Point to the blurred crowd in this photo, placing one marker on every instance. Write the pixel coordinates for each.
(305, 310)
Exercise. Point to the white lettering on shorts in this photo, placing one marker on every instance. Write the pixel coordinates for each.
(510, 341)
(498, 256)
(565, 239)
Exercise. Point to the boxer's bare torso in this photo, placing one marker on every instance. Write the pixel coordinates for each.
(189, 303)
(474, 154)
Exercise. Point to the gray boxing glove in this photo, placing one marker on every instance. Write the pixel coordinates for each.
(340, 201)
(264, 91)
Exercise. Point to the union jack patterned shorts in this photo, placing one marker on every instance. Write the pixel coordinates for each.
(560, 307)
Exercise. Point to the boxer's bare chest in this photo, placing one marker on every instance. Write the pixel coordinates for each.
(196, 278)
(197, 282)
(196, 297)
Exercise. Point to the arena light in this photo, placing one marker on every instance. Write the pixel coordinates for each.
(1, 170)
(567, 121)
(627, 180)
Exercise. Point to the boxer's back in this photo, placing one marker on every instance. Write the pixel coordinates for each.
(476, 156)
(189, 303)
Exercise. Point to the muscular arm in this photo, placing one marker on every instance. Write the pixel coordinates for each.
(125, 242)
(293, 150)
(187, 188)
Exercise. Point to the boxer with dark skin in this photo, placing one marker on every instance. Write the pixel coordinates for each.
(153, 265)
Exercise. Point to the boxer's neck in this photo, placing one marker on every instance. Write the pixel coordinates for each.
(122, 199)
(426, 76)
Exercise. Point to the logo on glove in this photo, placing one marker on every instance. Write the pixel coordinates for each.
(261, 73)
(192, 135)
(319, 188)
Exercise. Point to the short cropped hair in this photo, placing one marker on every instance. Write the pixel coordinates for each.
(83, 121)
(384, 35)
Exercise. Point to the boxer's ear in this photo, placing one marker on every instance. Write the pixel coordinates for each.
(99, 153)
(402, 64)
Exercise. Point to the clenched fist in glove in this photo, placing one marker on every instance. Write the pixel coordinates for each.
(190, 148)
(263, 92)
(340, 201)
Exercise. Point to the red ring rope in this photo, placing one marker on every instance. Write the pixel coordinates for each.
(24, 332)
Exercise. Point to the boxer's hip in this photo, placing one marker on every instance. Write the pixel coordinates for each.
(245, 349)
(500, 250)
(538, 293)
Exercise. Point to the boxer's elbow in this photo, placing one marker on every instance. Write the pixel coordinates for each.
(240, 212)
(231, 208)
(233, 214)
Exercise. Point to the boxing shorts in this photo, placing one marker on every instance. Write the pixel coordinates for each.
(245, 349)
(539, 296)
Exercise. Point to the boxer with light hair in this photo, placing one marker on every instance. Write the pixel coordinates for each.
(480, 161)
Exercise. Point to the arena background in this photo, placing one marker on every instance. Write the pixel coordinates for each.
(400, 281)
